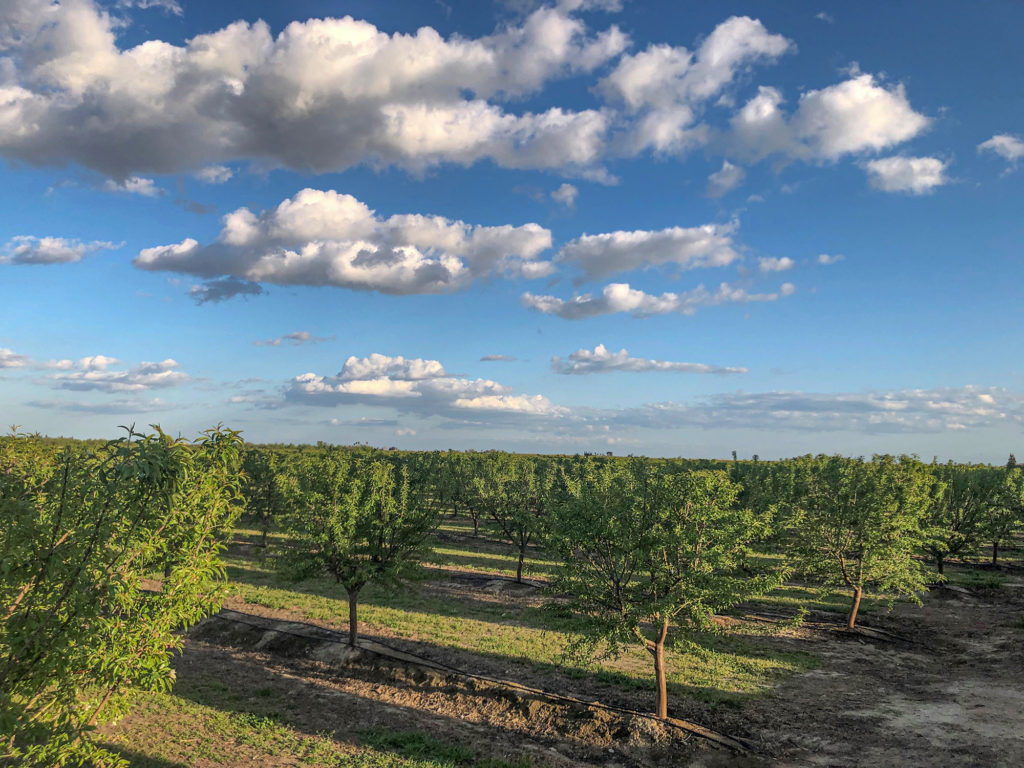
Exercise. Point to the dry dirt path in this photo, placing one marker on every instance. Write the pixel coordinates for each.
(955, 697)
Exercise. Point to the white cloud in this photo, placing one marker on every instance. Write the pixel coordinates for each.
(600, 360)
(566, 195)
(665, 86)
(28, 249)
(405, 432)
(775, 264)
(606, 254)
(827, 18)
(321, 96)
(91, 363)
(168, 6)
(134, 185)
(854, 116)
(896, 411)
(1008, 147)
(214, 174)
(92, 374)
(497, 359)
(9, 359)
(295, 338)
(825, 259)
(619, 297)
(419, 386)
(724, 180)
(326, 238)
(399, 368)
(917, 175)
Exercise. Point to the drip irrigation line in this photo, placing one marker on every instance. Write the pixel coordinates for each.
(689, 727)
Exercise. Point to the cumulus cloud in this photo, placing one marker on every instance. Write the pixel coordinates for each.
(28, 249)
(322, 95)
(378, 366)
(825, 259)
(10, 359)
(775, 264)
(916, 175)
(600, 360)
(664, 87)
(327, 238)
(619, 297)
(566, 195)
(857, 115)
(134, 185)
(1008, 147)
(214, 174)
(93, 374)
(90, 363)
(417, 386)
(710, 245)
(907, 410)
(295, 338)
(725, 180)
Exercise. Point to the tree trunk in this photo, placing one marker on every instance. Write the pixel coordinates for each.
(167, 569)
(353, 620)
(476, 525)
(940, 563)
(851, 620)
(519, 567)
(263, 542)
(995, 553)
(658, 651)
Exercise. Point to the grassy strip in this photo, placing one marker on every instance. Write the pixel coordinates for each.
(727, 668)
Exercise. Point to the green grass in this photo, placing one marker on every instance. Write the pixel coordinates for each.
(523, 632)
(167, 730)
(206, 720)
(970, 578)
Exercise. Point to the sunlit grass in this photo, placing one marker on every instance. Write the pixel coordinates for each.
(525, 634)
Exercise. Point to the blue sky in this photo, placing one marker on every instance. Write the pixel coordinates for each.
(318, 220)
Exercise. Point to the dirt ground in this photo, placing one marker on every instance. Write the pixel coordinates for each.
(953, 697)
(950, 693)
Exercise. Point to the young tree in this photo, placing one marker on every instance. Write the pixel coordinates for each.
(359, 519)
(1006, 512)
(261, 488)
(79, 531)
(858, 523)
(645, 551)
(457, 485)
(961, 497)
(513, 490)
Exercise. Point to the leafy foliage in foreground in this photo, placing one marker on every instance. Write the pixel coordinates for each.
(80, 529)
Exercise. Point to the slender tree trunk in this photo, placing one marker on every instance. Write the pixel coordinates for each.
(519, 567)
(476, 525)
(353, 620)
(851, 620)
(940, 563)
(658, 651)
(263, 542)
(995, 553)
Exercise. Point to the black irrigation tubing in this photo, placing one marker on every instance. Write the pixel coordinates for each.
(689, 727)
